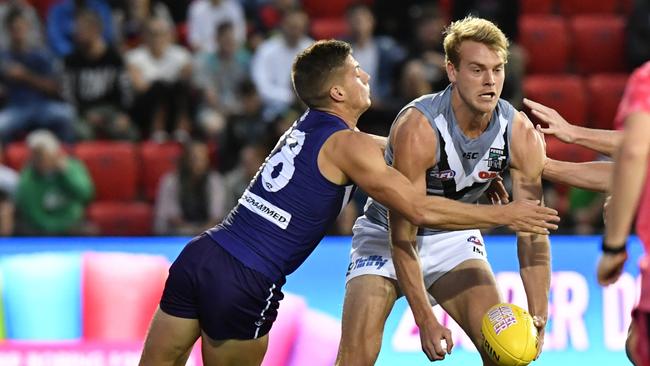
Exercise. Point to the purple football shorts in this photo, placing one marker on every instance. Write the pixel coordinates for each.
(230, 300)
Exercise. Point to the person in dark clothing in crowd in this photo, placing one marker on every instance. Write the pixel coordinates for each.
(97, 84)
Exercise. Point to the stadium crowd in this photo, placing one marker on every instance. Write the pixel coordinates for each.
(150, 117)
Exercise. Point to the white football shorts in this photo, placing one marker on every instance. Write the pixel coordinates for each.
(439, 253)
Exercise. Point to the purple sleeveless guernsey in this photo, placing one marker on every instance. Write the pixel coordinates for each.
(288, 205)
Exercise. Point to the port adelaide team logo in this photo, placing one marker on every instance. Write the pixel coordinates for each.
(496, 160)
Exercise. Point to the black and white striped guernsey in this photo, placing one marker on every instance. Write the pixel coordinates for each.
(464, 166)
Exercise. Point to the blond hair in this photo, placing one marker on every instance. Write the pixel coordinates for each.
(473, 29)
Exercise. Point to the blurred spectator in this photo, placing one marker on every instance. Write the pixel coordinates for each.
(8, 184)
(160, 72)
(269, 15)
(394, 17)
(29, 78)
(505, 14)
(426, 47)
(35, 29)
(413, 82)
(243, 128)
(60, 23)
(206, 15)
(192, 198)
(271, 64)
(251, 158)
(96, 82)
(53, 190)
(638, 34)
(131, 20)
(178, 9)
(218, 75)
(378, 56)
(586, 210)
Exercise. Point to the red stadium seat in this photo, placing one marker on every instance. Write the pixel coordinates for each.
(566, 94)
(599, 42)
(326, 9)
(327, 28)
(157, 159)
(134, 281)
(43, 6)
(627, 6)
(16, 154)
(604, 94)
(537, 6)
(121, 218)
(558, 150)
(546, 40)
(577, 7)
(113, 168)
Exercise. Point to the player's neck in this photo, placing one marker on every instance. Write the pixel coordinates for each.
(469, 120)
(349, 117)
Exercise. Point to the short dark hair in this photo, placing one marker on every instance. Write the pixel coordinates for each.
(224, 27)
(11, 16)
(313, 68)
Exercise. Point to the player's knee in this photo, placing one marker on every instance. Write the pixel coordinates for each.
(362, 354)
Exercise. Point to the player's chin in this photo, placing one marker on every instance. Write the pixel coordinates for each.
(485, 107)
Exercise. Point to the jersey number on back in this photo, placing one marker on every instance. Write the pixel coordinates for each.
(279, 169)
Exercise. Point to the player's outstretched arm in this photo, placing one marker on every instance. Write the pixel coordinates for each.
(354, 155)
(630, 171)
(592, 175)
(533, 250)
(603, 141)
(414, 146)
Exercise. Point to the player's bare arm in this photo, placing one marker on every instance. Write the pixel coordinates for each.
(603, 141)
(592, 175)
(351, 155)
(381, 141)
(414, 145)
(629, 174)
(533, 249)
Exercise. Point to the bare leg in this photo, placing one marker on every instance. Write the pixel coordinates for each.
(368, 301)
(631, 344)
(233, 352)
(169, 340)
(466, 293)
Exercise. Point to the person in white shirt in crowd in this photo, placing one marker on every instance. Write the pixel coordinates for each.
(204, 16)
(217, 76)
(160, 71)
(35, 30)
(271, 64)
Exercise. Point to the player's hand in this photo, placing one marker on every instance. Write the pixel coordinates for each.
(529, 217)
(496, 192)
(540, 324)
(557, 125)
(610, 267)
(431, 335)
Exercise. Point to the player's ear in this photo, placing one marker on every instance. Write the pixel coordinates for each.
(337, 93)
(451, 72)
